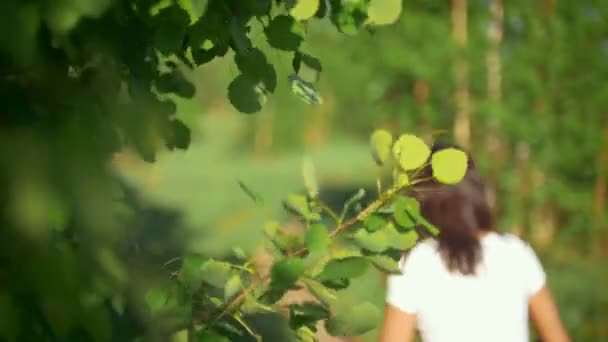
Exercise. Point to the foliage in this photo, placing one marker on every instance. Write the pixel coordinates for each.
(313, 258)
(79, 81)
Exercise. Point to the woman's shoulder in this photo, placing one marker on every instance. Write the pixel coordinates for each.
(512, 243)
(423, 250)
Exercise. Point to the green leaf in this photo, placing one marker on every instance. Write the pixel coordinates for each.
(251, 306)
(286, 272)
(216, 273)
(356, 321)
(381, 142)
(285, 242)
(317, 238)
(298, 204)
(175, 82)
(181, 134)
(322, 293)
(403, 180)
(282, 33)
(310, 178)
(356, 198)
(306, 334)
(306, 314)
(244, 95)
(374, 222)
(198, 8)
(305, 90)
(255, 197)
(373, 242)
(401, 241)
(307, 67)
(411, 152)
(384, 12)
(190, 272)
(350, 267)
(385, 263)
(171, 24)
(449, 165)
(232, 287)
(407, 211)
(348, 16)
(303, 9)
(239, 36)
(156, 298)
(254, 64)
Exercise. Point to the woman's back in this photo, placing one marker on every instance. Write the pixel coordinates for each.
(490, 305)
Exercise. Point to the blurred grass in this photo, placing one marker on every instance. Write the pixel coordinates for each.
(202, 183)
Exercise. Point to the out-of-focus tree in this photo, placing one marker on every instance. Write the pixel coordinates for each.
(83, 79)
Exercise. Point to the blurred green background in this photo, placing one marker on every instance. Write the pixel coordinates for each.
(522, 84)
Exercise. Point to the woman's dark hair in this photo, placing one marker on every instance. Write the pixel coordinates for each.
(460, 212)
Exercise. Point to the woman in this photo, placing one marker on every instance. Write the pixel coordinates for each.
(470, 283)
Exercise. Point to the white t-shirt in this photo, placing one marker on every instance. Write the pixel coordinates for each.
(489, 306)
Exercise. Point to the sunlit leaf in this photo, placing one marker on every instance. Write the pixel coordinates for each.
(381, 142)
(383, 12)
(411, 152)
(403, 180)
(358, 320)
(449, 165)
(303, 9)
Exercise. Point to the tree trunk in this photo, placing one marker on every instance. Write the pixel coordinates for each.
(600, 240)
(462, 119)
(495, 149)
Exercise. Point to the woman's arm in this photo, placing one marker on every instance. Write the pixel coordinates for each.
(545, 315)
(398, 326)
